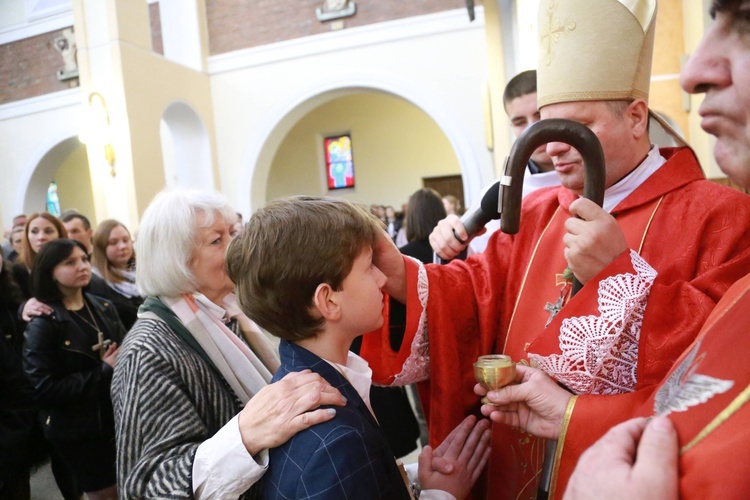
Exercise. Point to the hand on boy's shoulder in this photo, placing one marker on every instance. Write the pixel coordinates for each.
(280, 410)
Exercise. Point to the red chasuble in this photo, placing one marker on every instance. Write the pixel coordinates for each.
(688, 245)
(706, 396)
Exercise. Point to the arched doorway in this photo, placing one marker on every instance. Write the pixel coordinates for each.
(262, 147)
(186, 148)
(395, 145)
(66, 163)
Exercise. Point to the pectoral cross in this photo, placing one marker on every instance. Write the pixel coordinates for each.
(553, 309)
(565, 280)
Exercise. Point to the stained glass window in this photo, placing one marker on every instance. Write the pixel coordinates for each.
(339, 163)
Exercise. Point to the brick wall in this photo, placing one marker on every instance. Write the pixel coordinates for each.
(154, 17)
(29, 67)
(239, 24)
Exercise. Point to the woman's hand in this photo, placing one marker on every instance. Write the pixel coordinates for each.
(535, 403)
(455, 465)
(281, 410)
(110, 356)
(33, 308)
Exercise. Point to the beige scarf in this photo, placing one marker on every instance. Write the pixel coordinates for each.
(246, 369)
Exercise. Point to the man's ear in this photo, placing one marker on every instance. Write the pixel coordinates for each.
(637, 114)
(324, 300)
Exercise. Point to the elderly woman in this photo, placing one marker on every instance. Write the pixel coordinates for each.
(195, 414)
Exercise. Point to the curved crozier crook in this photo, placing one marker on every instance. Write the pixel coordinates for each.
(544, 131)
(585, 141)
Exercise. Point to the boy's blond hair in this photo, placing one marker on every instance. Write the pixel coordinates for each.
(289, 248)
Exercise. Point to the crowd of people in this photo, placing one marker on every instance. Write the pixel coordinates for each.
(63, 319)
(159, 380)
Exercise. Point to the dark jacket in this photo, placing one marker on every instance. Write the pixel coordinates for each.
(346, 457)
(17, 412)
(127, 307)
(71, 384)
(22, 276)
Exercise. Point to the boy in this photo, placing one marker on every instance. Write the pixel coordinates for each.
(303, 271)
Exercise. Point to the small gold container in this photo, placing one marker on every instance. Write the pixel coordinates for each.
(494, 371)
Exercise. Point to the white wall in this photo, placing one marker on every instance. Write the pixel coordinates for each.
(29, 129)
(437, 62)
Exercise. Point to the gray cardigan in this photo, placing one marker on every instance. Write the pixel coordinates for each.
(167, 400)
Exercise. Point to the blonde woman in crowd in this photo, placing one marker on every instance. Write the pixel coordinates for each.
(114, 260)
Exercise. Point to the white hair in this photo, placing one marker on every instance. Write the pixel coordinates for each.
(168, 235)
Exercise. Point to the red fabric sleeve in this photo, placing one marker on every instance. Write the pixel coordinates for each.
(376, 347)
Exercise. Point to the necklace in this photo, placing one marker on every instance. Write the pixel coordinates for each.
(93, 325)
(101, 344)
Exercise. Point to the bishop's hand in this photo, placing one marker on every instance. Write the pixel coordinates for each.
(593, 240)
(535, 403)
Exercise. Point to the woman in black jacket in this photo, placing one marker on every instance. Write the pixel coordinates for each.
(69, 358)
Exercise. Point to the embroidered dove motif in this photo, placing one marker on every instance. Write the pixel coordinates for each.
(685, 388)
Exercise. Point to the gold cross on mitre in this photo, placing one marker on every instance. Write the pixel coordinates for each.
(553, 30)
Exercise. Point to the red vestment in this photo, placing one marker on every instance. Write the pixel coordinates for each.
(690, 231)
(706, 397)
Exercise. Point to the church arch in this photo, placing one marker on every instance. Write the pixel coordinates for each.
(263, 146)
(186, 148)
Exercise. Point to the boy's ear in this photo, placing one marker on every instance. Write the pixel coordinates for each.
(325, 302)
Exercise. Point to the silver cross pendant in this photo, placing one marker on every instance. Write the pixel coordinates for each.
(553, 309)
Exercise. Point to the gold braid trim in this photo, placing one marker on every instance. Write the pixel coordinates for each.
(526, 275)
(722, 417)
(648, 226)
(561, 444)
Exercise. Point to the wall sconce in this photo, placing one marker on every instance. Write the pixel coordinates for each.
(97, 131)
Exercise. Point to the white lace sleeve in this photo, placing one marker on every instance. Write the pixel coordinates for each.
(600, 353)
(416, 368)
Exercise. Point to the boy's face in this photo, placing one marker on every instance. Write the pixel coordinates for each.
(360, 297)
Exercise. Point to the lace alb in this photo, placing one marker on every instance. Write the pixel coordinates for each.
(416, 368)
(600, 353)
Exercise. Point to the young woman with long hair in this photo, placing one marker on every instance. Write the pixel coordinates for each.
(39, 229)
(113, 258)
(69, 357)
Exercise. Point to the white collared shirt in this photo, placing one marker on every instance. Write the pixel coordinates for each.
(359, 374)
